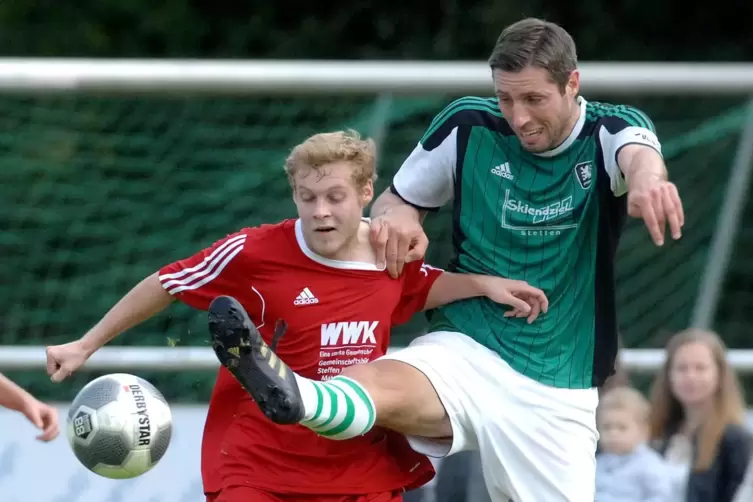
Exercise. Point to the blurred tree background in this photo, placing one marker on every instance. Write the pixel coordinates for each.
(439, 30)
(444, 29)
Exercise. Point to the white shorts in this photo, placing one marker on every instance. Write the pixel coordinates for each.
(537, 443)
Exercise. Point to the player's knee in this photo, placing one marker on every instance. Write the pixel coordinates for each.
(403, 397)
(379, 384)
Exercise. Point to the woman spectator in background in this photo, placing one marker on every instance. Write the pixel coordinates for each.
(745, 492)
(697, 422)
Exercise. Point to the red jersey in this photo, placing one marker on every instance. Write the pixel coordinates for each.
(338, 314)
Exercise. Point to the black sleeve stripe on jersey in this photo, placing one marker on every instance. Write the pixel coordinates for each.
(466, 118)
(420, 208)
(460, 105)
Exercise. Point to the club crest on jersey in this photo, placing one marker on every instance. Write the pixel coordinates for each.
(584, 173)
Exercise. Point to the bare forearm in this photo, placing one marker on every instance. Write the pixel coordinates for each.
(11, 395)
(451, 287)
(641, 165)
(144, 301)
(388, 201)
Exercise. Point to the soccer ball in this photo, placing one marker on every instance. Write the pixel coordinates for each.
(119, 426)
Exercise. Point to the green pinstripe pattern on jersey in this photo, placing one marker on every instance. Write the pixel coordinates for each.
(547, 220)
(631, 115)
(487, 105)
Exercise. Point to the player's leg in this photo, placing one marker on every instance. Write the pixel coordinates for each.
(414, 394)
(404, 398)
(240, 348)
(242, 494)
(538, 443)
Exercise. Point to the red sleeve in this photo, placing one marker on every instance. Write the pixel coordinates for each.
(215, 271)
(418, 278)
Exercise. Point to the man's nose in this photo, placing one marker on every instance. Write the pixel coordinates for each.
(321, 209)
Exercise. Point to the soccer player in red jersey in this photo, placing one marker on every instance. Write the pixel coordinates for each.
(315, 279)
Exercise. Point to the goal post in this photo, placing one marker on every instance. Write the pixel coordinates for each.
(340, 77)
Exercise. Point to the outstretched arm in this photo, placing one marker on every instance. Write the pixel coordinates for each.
(650, 195)
(195, 281)
(145, 300)
(525, 300)
(41, 415)
(638, 161)
(12, 396)
(633, 161)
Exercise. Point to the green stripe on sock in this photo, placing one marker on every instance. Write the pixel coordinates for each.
(364, 397)
(319, 404)
(355, 418)
(350, 414)
(332, 410)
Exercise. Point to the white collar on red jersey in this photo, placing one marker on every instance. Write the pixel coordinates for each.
(347, 265)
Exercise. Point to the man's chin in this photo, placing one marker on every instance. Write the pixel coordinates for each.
(326, 249)
(538, 147)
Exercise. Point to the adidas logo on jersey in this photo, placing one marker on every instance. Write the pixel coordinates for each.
(504, 171)
(305, 297)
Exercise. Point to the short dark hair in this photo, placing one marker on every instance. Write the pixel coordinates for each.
(537, 43)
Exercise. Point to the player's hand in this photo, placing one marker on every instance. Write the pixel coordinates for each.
(63, 360)
(525, 300)
(398, 238)
(658, 203)
(44, 417)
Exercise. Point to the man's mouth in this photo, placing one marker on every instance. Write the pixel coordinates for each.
(530, 134)
(325, 229)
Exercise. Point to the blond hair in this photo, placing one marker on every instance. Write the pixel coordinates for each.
(330, 147)
(729, 404)
(629, 400)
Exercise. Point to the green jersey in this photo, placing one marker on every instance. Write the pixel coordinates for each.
(551, 219)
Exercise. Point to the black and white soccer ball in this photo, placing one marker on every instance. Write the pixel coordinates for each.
(119, 426)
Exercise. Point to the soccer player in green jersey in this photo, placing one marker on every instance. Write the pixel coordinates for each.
(540, 181)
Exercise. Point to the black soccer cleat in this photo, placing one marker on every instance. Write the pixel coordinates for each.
(241, 349)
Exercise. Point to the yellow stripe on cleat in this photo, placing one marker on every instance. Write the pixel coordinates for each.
(235, 351)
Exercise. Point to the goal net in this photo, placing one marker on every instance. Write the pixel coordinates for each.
(98, 192)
